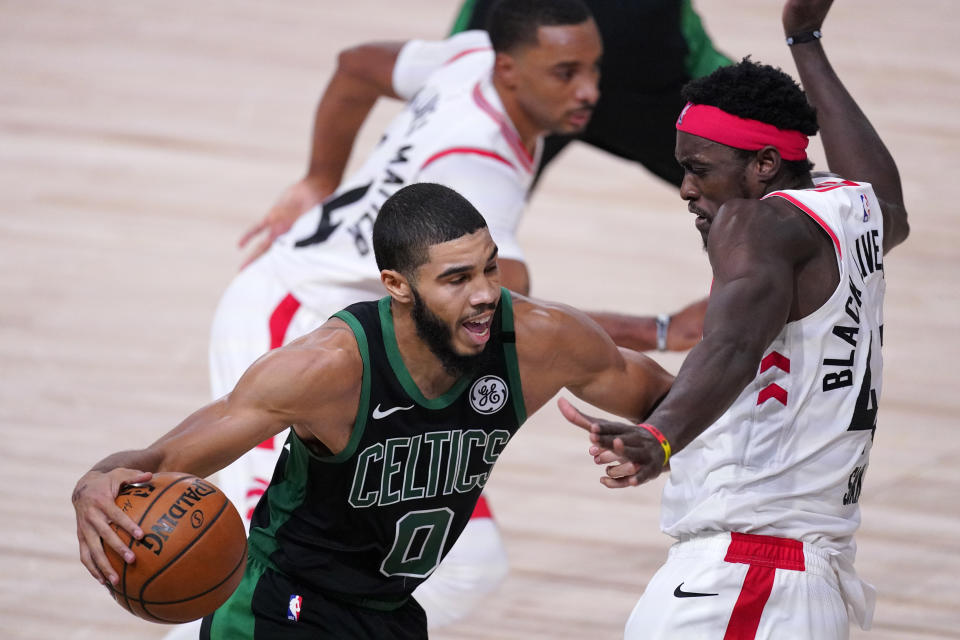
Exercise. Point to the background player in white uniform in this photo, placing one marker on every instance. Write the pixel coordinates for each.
(772, 416)
(475, 118)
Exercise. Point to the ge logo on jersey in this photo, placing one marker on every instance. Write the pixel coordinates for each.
(488, 395)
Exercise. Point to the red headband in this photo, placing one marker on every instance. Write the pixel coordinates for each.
(740, 133)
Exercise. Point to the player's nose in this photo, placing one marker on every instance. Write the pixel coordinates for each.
(588, 90)
(688, 189)
(485, 292)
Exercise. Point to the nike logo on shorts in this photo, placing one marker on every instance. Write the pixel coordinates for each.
(378, 414)
(680, 593)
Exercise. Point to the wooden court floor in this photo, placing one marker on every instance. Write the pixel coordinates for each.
(137, 141)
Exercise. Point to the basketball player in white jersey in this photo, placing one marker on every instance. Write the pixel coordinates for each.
(769, 424)
(477, 108)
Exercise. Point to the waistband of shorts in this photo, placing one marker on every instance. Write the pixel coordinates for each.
(379, 603)
(764, 550)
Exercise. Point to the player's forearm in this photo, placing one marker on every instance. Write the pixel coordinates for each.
(139, 459)
(633, 332)
(710, 379)
(854, 148)
(678, 331)
(514, 276)
(363, 74)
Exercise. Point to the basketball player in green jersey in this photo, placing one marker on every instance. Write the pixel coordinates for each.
(399, 410)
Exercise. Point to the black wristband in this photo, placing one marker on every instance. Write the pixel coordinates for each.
(806, 36)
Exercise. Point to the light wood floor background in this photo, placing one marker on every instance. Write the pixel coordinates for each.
(137, 141)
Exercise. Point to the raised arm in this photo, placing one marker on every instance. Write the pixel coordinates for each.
(311, 384)
(853, 147)
(363, 74)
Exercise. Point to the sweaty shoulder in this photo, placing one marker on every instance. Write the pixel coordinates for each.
(748, 228)
(557, 346)
(314, 383)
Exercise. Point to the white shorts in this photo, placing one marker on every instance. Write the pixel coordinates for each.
(740, 587)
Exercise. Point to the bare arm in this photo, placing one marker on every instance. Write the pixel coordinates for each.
(754, 249)
(364, 73)
(514, 275)
(312, 384)
(640, 332)
(853, 147)
(560, 347)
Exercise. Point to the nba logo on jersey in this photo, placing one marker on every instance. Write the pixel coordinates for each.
(866, 207)
(293, 609)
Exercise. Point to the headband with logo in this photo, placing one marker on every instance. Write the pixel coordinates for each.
(740, 133)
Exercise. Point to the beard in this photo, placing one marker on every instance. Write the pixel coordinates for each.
(439, 339)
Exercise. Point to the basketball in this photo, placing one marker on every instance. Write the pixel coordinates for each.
(191, 556)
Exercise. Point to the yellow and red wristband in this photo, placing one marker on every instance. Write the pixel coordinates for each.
(660, 438)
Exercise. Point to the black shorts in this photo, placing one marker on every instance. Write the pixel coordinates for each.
(651, 49)
(269, 605)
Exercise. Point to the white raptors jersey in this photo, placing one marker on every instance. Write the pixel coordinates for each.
(454, 132)
(788, 457)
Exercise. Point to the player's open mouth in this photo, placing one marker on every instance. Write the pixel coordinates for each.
(479, 328)
(580, 117)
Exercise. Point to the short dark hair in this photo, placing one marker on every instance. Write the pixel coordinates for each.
(417, 217)
(514, 23)
(761, 92)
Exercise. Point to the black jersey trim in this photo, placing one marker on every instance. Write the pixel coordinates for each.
(400, 368)
(363, 408)
(509, 337)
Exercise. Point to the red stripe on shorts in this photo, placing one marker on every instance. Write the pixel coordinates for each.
(482, 510)
(281, 318)
(764, 554)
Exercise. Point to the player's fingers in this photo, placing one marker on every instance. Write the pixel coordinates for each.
(122, 520)
(94, 539)
(607, 428)
(615, 483)
(573, 415)
(251, 232)
(622, 470)
(87, 560)
(608, 441)
(604, 456)
(138, 477)
(109, 537)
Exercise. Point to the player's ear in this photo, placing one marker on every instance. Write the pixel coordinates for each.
(768, 164)
(397, 285)
(505, 70)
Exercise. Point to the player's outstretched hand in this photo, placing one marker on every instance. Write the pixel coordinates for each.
(93, 500)
(633, 455)
(804, 15)
(296, 200)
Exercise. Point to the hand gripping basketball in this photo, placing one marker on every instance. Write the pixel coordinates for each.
(190, 556)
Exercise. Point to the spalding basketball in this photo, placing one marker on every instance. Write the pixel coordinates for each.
(191, 556)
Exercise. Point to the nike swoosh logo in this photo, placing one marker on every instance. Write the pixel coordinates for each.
(680, 593)
(378, 414)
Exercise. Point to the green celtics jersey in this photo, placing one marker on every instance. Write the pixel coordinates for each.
(373, 521)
